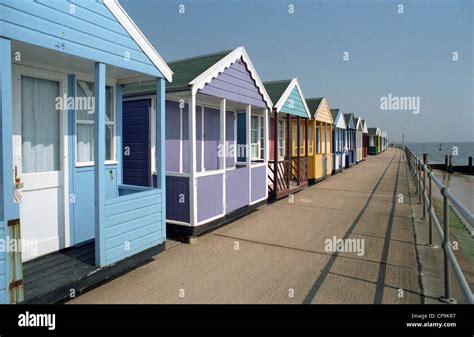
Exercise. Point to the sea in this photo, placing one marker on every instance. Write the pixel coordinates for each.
(461, 151)
(461, 185)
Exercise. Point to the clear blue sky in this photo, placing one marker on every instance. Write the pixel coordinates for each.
(407, 54)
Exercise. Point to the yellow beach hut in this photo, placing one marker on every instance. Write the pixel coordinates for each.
(320, 163)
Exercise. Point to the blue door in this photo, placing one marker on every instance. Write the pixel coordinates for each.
(136, 143)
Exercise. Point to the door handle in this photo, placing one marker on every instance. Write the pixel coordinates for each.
(111, 175)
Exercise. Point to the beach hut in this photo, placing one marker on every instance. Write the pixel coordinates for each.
(216, 141)
(359, 133)
(63, 199)
(339, 137)
(351, 139)
(374, 141)
(321, 163)
(291, 138)
(365, 139)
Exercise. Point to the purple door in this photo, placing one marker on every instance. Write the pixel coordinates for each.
(136, 142)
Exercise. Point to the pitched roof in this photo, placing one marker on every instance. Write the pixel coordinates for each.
(275, 89)
(347, 117)
(186, 70)
(313, 104)
(127, 23)
(334, 113)
(372, 131)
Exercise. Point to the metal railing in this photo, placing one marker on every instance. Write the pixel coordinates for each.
(419, 171)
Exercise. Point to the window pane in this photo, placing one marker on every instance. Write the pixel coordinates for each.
(85, 143)
(109, 115)
(254, 122)
(109, 131)
(85, 132)
(84, 91)
(40, 127)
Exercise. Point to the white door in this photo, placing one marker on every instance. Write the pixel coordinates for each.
(40, 160)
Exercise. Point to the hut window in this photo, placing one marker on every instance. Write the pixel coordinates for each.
(39, 125)
(310, 139)
(328, 139)
(281, 138)
(318, 147)
(85, 125)
(302, 140)
(256, 138)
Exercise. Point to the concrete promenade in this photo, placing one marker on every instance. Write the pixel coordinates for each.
(279, 254)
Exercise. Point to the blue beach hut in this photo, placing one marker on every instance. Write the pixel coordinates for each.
(339, 140)
(351, 139)
(62, 67)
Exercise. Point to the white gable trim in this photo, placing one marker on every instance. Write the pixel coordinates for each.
(286, 94)
(207, 76)
(340, 122)
(128, 24)
(359, 124)
(351, 124)
(364, 126)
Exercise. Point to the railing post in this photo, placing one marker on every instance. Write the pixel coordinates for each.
(447, 277)
(430, 208)
(425, 155)
(419, 182)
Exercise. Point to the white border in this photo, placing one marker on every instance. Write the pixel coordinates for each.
(207, 76)
(294, 83)
(128, 24)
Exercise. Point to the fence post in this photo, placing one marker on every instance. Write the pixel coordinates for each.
(430, 208)
(425, 156)
(447, 277)
(419, 182)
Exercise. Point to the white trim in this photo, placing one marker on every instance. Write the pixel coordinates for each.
(91, 163)
(192, 160)
(202, 139)
(207, 76)
(255, 165)
(203, 222)
(223, 143)
(286, 94)
(248, 114)
(266, 154)
(127, 23)
(340, 119)
(181, 223)
(180, 137)
(235, 138)
(364, 126)
(209, 173)
(152, 136)
(256, 201)
(176, 174)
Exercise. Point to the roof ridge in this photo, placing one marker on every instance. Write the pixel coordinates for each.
(223, 52)
(277, 81)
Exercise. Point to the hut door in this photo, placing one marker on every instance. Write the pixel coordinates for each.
(136, 143)
(40, 160)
